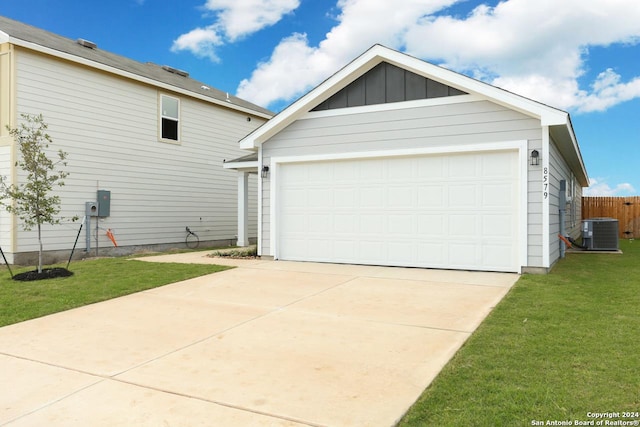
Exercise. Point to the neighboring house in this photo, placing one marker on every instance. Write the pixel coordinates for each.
(395, 161)
(149, 134)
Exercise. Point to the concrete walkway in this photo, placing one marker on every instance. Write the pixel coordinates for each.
(270, 343)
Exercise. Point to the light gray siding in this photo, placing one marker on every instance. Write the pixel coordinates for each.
(428, 126)
(558, 171)
(109, 127)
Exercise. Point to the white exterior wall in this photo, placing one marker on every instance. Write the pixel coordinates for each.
(109, 126)
(430, 125)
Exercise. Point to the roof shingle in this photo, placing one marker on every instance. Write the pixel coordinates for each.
(27, 33)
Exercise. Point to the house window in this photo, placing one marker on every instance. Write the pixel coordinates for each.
(169, 118)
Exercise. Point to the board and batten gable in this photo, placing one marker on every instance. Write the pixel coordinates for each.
(109, 126)
(434, 123)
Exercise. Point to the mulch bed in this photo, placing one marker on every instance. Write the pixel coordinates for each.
(47, 273)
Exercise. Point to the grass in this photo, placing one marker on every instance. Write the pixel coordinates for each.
(557, 347)
(93, 281)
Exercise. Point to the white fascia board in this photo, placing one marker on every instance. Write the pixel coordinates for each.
(4, 37)
(241, 166)
(393, 106)
(576, 149)
(132, 76)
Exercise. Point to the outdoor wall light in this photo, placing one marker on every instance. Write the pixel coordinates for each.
(265, 171)
(535, 158)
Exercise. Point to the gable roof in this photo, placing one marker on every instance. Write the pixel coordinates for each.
(558, 121)
(168, 78)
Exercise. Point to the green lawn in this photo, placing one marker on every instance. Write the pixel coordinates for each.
(557, 347)
(93, 281)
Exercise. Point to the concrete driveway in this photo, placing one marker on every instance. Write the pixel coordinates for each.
(270, 343)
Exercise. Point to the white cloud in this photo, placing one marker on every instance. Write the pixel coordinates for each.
(234, 19)
(201, 42)
(608, 91)
(536, 49)
(292, 57)
(238, 18)
(598, 187)
(295, 67)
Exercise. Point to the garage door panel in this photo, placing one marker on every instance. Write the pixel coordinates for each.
(464, 226)
(374, 250)
(321, 175)
(317, 247)
(344, 198)
(400, 170)
(430, 168)
(296, 246)
(463, 254)
(497, 226)
(296, 222)
(344, 224)
(497, 196)
(402, 253)
(297, 196)
(345, 250)
(319, 197)
(497, 166)
(372, 171)
(432, 254)
(462, 196)
(371, 197)
(439, 211)
(343, 172)
(373, 225)
(432, 226)
(430, 197)
(401, 196)
(400, 224)
(494, 254)
(318, 223)
(462, 166)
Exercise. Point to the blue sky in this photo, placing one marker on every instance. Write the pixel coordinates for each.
(582, 56)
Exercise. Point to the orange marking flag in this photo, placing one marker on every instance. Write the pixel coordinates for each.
(111, 237)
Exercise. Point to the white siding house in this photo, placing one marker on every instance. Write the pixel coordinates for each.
(395, 161)
(152, 136)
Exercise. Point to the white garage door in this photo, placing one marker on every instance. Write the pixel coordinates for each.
(455, 211)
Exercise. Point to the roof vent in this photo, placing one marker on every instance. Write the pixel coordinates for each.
(87, 43)
(175, 71)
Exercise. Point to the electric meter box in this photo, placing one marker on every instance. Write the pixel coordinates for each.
(104, 203)
(91, 208)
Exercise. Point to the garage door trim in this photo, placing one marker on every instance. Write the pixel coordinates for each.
(520, 146)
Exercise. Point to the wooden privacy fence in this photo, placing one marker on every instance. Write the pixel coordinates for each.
(625, 209)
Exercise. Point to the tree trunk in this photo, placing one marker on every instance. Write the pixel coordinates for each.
(40, 250)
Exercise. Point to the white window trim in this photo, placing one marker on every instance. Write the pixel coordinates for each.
(162, 116)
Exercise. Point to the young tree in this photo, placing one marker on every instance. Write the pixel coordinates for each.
(31, 201)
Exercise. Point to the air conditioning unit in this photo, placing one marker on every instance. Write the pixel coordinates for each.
(600, 234)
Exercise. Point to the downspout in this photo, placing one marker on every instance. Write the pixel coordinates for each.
(562, 202)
